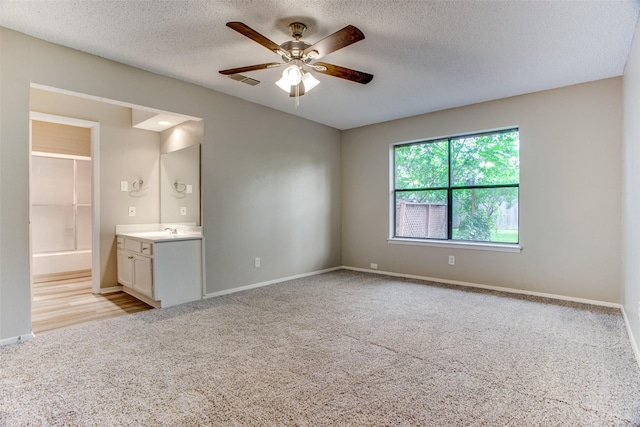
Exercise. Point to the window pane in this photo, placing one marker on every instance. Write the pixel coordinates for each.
(51, 181)
(421, 214)
(422, 165)
(485, 159)
(486, 215)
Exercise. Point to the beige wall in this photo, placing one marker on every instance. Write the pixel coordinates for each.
(126, 154)
(266, 192)
(570, 198)
(631, 212)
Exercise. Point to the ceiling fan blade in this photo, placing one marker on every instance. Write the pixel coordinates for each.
(254, 35)
(342, 38)
(300, 87)
(343, 73)
(250, 68)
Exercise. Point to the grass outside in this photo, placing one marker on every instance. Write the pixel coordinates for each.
(505, 236)
(498, 236)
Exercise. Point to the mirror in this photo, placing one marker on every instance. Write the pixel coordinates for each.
(180, 186)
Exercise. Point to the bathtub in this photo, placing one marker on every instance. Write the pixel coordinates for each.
(61, 265)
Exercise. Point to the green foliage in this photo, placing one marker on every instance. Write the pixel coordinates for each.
(491, 159)
(422, 165)
(427, 196)
(476, 228)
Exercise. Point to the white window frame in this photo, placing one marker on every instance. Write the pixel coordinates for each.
(451, 244)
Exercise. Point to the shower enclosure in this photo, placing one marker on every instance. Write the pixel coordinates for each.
(60, 216)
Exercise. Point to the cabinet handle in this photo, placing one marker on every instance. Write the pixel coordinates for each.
(130, 257)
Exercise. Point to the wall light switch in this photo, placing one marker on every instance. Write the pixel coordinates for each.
(132, 211)
(183, 210)
(124, 186)
(189, 188)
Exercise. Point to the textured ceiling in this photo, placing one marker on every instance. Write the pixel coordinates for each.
(425, 55)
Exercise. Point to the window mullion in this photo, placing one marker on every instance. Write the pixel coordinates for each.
(469, 187)
(449, 195)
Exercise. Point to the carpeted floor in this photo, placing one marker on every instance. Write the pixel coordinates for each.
(342, 348)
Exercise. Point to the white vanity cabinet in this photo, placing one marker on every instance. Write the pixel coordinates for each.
(135, 266)
(161, 271)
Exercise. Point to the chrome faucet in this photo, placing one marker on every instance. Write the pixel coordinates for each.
(172, 230)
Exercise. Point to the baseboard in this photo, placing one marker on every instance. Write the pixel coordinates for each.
(110, 290)
(491, 288)
(269, 282)
(634, 345)
(15, 340)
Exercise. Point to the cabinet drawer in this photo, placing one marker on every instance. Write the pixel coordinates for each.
(137, 246)
(133, 245)
(146, 248)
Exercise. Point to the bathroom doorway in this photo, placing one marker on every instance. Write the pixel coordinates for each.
(63, 197)
(61, 215)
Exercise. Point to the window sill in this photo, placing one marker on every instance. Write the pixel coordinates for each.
(497, 247)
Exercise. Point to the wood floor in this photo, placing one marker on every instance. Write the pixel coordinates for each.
(70, 302)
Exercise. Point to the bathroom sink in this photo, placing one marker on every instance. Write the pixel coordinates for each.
(158, 235)
(163, 235)
(154, 234)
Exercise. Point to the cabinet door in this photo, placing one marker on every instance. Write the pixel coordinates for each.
(125, 271)
(143, 275)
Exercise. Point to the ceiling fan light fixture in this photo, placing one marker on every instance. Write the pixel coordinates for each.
(292, 74)
(306, 78)
(284, 84)
(309, 81)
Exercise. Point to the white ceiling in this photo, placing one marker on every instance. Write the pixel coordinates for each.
(425, 55)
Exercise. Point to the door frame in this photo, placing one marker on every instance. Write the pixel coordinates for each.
(95, 189)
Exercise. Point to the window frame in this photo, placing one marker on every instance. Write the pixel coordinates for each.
(448, 241)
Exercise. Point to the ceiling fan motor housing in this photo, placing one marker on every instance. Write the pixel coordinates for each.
(295, 48)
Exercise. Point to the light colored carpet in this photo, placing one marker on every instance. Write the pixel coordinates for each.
(342, 348)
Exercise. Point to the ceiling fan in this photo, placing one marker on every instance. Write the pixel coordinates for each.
(299, 56)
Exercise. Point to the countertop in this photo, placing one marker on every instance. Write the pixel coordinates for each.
(160, 236)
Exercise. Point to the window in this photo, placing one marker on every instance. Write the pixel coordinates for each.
(462, 188)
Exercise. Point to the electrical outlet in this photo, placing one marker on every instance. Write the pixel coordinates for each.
(132, 211)
(183, 210)
(189, 188)
(124, 186)
(256, 262)
(373, 265)
(452, 260)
